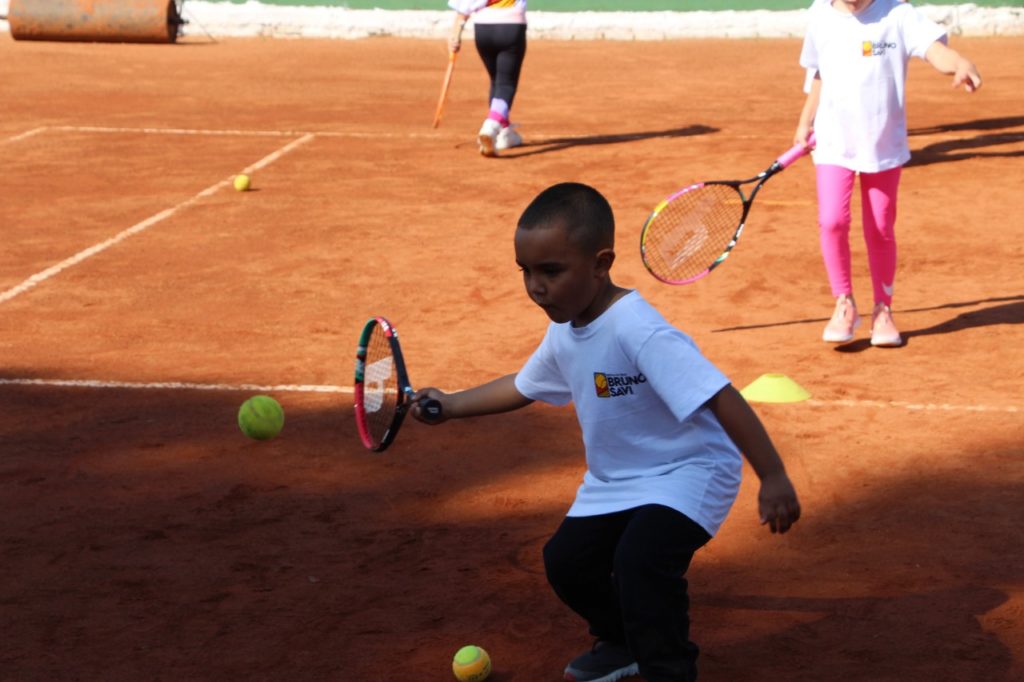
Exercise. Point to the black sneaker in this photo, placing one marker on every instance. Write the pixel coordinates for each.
(605, 662)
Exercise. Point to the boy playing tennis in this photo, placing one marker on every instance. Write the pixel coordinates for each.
(663, 431)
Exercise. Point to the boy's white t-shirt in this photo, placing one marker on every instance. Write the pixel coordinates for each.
(862, 59)
(639, 386)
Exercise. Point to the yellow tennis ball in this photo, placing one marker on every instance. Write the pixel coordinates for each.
(261, 417)
(242, 183)
(471, 664)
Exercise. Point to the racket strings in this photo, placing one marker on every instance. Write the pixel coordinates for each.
(691, 231)
(380, 385)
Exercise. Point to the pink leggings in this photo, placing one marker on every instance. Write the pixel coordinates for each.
(878, 207)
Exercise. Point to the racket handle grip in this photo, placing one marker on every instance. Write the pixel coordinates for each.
(430, 410)
(796, 152)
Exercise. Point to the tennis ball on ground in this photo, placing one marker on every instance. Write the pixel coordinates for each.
(471, 664)
(261, 417)
(242, 182)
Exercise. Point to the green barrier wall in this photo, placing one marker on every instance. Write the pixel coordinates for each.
(612, 5)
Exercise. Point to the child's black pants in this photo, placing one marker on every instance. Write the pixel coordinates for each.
(502, 47)
(624, 574)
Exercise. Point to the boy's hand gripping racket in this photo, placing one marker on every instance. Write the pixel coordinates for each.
(444, 88)
(382, 387)
(689, 234)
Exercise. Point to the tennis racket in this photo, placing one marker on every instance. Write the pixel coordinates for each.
(444, 88)
(382, 387)
(693, 231)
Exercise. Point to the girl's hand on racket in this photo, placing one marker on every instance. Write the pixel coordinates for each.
(777, 503)
(428, 406)
(803, 136)
(455, 38)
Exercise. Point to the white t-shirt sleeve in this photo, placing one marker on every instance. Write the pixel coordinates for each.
(541, 379)
(809, 80)
(467, 7)
(919, 32)
(809, 51)
(682, 377)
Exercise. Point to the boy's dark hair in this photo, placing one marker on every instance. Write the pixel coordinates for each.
(581, 209)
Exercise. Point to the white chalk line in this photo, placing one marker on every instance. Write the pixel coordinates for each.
(243, 133)
(53, 270)
(536, 138)
(916, 407)
(327, 388)
(27, 134)
(178, 386)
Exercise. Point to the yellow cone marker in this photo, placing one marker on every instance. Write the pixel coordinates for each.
(774, 388)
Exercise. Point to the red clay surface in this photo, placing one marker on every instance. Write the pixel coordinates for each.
(144, 538)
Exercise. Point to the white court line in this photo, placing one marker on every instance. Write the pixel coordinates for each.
(30, 133)
(178, 386)
(241, 133)
(49, 272)
(916, 407)
(327, 388)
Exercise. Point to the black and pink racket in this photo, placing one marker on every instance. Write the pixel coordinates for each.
(690, 233)
(382, 390)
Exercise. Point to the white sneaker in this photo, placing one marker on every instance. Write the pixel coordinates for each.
(844, 322)
(488, 137)
(883, 330)
(508, 138)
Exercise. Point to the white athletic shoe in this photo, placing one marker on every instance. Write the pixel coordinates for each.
(508, 138)
(488, 137)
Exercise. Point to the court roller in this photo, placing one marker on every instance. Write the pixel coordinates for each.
(105, 21)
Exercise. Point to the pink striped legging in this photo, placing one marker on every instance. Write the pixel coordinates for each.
(878, 208)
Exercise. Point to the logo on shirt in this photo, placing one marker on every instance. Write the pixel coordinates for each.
(870, 49)
(615, 385)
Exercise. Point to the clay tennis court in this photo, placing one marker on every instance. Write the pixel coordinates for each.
(142, 300)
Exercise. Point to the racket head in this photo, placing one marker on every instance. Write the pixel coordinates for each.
(381, 385)
(691, 232)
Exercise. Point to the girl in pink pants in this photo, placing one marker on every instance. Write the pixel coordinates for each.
(856, 54)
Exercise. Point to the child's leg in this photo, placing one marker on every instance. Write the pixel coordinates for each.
(510, 65)
(878, 193)
(488, 51)
(502, 47)
(578, 561)
(651, 561)
(835, 188)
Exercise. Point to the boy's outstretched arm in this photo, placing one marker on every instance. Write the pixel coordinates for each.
(777, 502)
(496, 396)
(949, 61)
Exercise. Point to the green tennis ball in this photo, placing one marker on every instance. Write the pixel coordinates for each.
(260, 417)
(471, 664)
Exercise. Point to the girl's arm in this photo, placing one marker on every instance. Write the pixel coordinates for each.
(949, 61)
(455, 37)
(777, 502)
(496, 396)
(810, 110)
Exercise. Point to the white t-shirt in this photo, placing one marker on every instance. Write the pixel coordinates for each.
(639, 386)
(862, 58)
(492, 11)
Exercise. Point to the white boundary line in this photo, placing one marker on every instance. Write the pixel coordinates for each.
(53, 270)
(30, 133)
(242, 133)
(915, 407)
(178, 386)
(327, 388)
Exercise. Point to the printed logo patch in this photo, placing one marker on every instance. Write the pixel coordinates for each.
(616, 385)
(870, 49)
